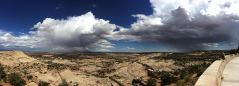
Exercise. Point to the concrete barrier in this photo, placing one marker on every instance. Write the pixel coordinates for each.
(212, 76)
(209, 76)
(228, 58)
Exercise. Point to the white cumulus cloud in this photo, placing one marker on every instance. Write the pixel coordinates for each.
(182, 24)
(77, 33)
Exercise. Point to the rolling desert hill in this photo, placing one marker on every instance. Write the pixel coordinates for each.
(103, 69)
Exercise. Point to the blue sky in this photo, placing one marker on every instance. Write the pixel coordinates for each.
(21, 15)
(118, 25)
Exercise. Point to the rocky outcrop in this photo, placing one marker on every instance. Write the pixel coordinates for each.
(14, 57)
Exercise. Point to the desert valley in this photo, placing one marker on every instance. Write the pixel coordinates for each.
(103, 69)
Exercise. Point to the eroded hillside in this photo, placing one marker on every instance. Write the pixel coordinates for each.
(104, 69)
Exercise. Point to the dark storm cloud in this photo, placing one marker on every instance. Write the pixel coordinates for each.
(185, 33)
(181, 24)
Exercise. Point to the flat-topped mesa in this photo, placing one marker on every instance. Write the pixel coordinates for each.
(13, 57)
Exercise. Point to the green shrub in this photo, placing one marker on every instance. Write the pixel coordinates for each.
(42, 83)
(2, 73)
(181, 83)
(151, 82)
(166, 78)
(57, 66)
(137, 82)
(29, 77)
(16, 80)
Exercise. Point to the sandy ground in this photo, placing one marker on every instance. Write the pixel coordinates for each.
(84, 72)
